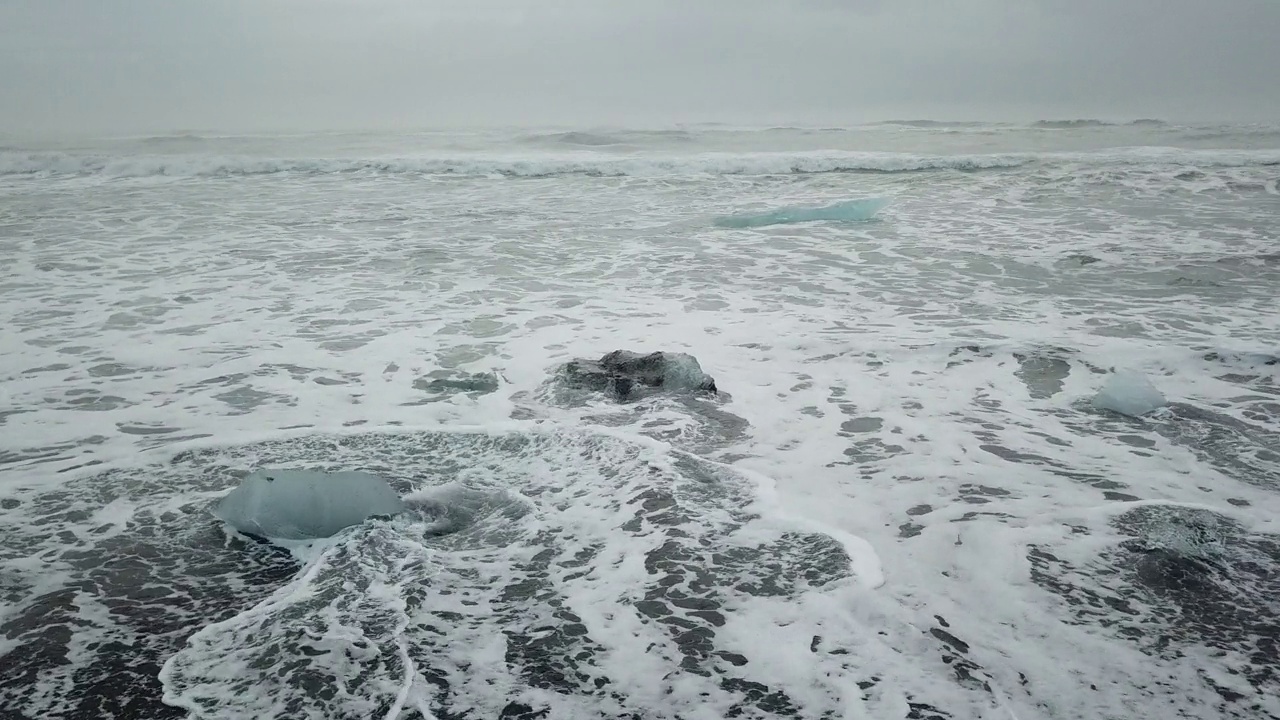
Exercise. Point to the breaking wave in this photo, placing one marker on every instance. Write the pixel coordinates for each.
(55, 164)
(175, 139)
(1070, 124)
(927, 124)
(608, 138)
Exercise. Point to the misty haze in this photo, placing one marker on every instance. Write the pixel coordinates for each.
(445, 360)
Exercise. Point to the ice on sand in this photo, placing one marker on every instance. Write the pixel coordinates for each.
(1129, 393)
(305, 504)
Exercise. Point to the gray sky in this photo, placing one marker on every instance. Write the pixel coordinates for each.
(79, 66)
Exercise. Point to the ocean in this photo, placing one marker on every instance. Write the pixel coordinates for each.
(899, 501)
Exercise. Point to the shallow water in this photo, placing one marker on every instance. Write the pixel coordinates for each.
(901, 504)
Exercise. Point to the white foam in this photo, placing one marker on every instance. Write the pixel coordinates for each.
(383, 592)
(909, 389)
(13, 163)
(590, 164)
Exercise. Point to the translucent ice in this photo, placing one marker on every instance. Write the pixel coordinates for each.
(1128, 393)
(685, 373)
(850, 210)
(303, 504)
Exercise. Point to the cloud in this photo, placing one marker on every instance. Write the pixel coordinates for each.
(119, 65)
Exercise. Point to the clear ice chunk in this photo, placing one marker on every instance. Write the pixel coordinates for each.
(1129, 393)
(848, 211)
(305, 504)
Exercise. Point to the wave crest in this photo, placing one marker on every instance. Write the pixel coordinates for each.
(601, 138)
(1070, 124)
(58, 164)
(62, 164)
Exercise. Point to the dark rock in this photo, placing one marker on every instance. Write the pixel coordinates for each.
(1080, 259)
(627, 376)
(950, 640)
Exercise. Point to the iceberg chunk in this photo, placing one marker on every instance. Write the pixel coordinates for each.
(848, 211)
(304, 504)
(1129, 393)
(629, 376)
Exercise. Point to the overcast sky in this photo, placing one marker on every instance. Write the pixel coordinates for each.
(80, 66)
